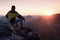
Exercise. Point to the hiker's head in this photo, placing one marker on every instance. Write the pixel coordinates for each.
(13, 8)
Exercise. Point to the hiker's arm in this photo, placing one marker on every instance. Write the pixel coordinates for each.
(19, 16)
(7, 15)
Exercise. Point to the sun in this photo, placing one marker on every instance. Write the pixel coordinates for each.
(48, 12)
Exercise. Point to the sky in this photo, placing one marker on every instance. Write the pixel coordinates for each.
(30, 7)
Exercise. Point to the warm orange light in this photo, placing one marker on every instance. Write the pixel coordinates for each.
(48, 12)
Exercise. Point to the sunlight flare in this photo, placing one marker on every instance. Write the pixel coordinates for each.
(48, 12)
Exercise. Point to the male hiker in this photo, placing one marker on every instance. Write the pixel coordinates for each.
(12, 15)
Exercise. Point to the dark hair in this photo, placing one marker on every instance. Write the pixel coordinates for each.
(13, 7)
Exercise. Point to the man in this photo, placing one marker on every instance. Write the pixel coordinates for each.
(12, 15)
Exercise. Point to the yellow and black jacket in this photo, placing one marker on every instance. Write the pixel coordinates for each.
(13, 14)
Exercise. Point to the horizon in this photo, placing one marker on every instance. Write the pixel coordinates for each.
(40, 15)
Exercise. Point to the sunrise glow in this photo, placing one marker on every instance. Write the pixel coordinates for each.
(48, 12)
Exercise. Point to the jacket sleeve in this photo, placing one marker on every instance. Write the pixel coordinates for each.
(6, 15)
(19, 16)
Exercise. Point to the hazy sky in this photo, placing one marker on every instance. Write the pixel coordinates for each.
(30, 7)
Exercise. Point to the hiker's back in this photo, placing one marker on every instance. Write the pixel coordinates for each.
(12, 15)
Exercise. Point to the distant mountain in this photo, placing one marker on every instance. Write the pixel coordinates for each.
(56, 21)
(48, 27)
(3, 19)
